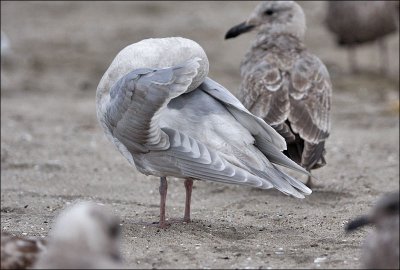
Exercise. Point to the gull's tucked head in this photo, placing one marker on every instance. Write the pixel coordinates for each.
(89, 227)
(154, 53)
(273, 17)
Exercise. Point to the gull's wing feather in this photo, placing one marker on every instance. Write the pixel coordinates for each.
(265, 90)
(310, 99)
(138, 98)
(267, 139)
(188, 157)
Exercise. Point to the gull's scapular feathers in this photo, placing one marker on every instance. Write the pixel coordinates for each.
(283, 83)
(166, 117)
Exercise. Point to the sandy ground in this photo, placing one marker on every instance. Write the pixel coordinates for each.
(53, 151)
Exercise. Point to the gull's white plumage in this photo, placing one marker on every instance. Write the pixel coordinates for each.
(166, 117)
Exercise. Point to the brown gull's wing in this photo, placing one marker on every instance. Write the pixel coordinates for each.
(19, 252)
(310, 103)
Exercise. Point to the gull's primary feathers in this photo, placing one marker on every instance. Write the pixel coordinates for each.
(167, 118)
(283, 83)
(381, 247)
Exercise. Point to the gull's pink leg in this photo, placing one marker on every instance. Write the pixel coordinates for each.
(163, 197)
(188, 187)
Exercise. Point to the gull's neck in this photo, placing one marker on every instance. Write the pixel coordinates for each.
(283, 41)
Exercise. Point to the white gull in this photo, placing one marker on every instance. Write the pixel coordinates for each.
(167, 118)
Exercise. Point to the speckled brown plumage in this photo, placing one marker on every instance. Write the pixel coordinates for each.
(19, 252)
(286, 85)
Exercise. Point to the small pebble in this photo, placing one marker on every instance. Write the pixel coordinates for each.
(319, 259)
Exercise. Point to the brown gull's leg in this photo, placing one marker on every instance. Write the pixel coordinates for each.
(352, 59)
(309, 182)
(384, 68)
(188, 187)
(163, 197)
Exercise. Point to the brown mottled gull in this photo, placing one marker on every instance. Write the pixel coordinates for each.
(19, 252)
(284, 84)
(381, 247)
(358, 22)
(167, 118)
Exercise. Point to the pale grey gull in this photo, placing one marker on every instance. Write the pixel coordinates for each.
(284, 84)
(380, 248)
(167, 118)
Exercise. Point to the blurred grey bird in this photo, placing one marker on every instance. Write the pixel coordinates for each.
(381, 247)
(358, 22)
(5, 44)
(85, 235)
(284, 84)
(167, 118)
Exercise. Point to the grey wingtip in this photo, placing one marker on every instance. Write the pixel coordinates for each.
(302, 193)
(304, 190)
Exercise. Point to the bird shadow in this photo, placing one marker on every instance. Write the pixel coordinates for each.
(217, 231)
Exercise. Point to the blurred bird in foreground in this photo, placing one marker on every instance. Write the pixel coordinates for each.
(5, 44)
(381, 247)
(167, 118)
(7, 59)
(84, 236)
(358, 22)
(19, 252)
(284, 84)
